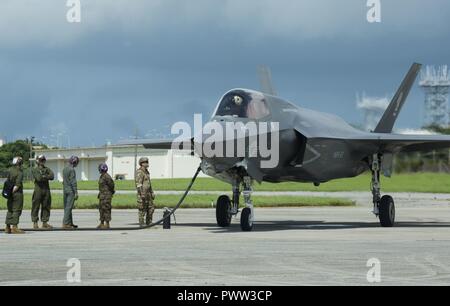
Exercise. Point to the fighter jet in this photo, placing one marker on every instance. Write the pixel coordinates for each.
(314, 147)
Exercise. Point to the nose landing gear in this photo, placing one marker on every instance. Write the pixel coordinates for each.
(223, 211)
(247, 213)
(226, 208)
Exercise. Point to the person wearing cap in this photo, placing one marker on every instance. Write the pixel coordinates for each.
(15, 202)
(41, 196)
(70, 192)
(105, 194)
(145, 195)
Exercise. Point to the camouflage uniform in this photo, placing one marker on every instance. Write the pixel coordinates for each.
(41, 195)
(145, 196)
(106, 191)
(15, 203)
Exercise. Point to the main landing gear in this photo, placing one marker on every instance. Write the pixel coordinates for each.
(226, 208)
(383, 206)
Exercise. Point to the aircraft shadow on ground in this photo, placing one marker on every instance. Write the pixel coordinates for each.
(270, 226)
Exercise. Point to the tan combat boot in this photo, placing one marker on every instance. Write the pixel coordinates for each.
(67, 227)
(106, 225)
(45, 225)
(8, 229)
(16, 230)
(101, 225)
(35, 225)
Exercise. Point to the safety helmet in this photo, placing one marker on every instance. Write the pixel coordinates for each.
(41, 158)
(17, 161)
(73, 160)
(143, 160)
(237, 100)
(103, 167)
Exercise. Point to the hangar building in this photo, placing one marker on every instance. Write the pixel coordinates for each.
(121, 161)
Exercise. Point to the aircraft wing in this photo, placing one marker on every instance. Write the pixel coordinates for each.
(392, 143)
(415, 143)
(158, 143)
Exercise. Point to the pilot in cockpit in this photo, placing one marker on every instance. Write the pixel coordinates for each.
(237, 100)
(233, 105)
(243, 105)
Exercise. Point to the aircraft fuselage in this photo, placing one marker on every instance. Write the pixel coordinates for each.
(312, 145)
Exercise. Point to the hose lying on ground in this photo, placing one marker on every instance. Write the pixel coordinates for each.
(172, 211)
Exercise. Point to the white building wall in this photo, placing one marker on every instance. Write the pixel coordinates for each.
(109, 160)
(59, 166)
(158, 164)
(183, 164)
(123, 165)
(92, 167)
(78, 171)
(121, 161)
(83, 168)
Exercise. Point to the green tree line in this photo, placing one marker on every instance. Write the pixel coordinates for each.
(18, 148)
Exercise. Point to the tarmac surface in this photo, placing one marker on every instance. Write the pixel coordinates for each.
(360, 197)
(288, 246)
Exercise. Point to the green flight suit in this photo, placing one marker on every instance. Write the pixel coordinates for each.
(70, 192)
(41, 196)
(105, 194)
(15, 203)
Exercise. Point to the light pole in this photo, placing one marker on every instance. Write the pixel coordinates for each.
(135, 150)
(31, 155)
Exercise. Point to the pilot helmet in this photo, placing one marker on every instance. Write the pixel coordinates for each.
(237, 100)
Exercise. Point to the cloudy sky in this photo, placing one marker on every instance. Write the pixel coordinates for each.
(147, 63)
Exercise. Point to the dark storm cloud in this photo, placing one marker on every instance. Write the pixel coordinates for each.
(145, 64)
(21, 103)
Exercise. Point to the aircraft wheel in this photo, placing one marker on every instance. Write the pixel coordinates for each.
(246, 219)
(387, 211)
(223, 211)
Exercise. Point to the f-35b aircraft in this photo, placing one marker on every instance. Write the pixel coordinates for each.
(314, 147)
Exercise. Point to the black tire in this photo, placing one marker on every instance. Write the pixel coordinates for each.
(387, 211)
(223, 211)
(246, 223)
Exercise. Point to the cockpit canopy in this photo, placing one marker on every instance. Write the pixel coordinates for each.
(243, 104)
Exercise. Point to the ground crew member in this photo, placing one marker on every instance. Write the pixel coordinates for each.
(145, 195)
(105, 194)
(70, 192)
(41, 196)
(15, 202)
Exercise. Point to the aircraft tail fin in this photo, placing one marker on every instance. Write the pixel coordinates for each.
(265, 80)
(390, 115)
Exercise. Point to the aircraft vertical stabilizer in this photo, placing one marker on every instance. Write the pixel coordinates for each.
(390, 115)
